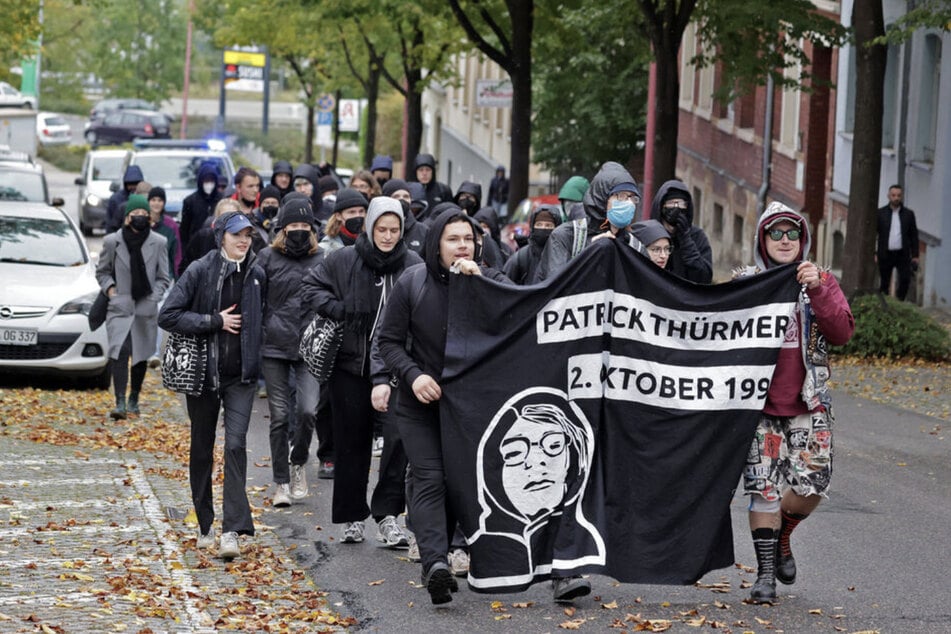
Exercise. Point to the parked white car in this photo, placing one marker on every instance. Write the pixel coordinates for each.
(10, 97)
(52, 129)
(49, 285)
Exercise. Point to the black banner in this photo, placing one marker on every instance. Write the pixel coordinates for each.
(600, 423)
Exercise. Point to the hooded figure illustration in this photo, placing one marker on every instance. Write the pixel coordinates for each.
(534, 461)
(692, 258)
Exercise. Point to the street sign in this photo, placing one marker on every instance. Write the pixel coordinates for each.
(325, 118)
(244, 69)
(326, 103)
(494, 93)
(349, 115)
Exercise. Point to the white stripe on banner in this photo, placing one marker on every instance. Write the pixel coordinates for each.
(668, 386)
(574, 317)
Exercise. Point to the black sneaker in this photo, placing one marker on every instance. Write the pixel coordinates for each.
(566, 589)
(326, 470)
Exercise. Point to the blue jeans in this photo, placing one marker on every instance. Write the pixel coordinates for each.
(279, 401)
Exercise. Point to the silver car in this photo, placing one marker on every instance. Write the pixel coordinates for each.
(100, 169)
(47, 286)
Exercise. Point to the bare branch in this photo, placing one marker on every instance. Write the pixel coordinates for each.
(490, 51)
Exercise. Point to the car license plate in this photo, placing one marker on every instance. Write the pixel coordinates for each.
(18, 336)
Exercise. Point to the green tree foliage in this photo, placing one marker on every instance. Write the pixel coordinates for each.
(19, 29)
(137, 47)
(925, 14)
(886, 327)
(590, 90)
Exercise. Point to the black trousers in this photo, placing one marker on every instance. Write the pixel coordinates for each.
(389, 495)
(353, 445)
(432, 519)
(203, 411)
(895, 260)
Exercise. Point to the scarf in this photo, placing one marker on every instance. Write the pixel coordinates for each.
(361, 302)
(348, 239)
(141, 287)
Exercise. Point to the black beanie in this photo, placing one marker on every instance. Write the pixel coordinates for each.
(295, 209)
(270, 192)
(347, 198)
(327, 184)
(158, 192)
(394, 185)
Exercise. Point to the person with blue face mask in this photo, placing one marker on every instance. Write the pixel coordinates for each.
(621, 206)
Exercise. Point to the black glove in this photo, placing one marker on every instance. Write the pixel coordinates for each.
(681, 224)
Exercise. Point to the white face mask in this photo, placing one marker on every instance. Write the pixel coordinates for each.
(208, 187)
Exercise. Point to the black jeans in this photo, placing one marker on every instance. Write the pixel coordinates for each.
(203, 410)
(280, 401)
(429, 508)
(389, 495)
(120, 369)
(353, 444)
(895, 260)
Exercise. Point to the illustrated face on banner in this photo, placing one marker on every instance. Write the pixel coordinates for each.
(535, 464)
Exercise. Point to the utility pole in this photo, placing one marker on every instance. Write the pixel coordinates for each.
(183, 133)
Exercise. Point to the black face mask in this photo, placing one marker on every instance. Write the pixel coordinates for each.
(140, 223)
(269, 211)
(468, 204)
(354, 225)
(406, 208)
(540, 236)
(297, 242)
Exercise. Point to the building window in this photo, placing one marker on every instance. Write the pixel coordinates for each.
(717, 220)
(747, 110)
(697, 207)
(738, 229)
(850, 93)
(688, 49)
(928, 100)
(789, 121)
(838, 247)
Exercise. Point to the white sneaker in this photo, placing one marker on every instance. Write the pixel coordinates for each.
(282, 497)
(298, 481)
(391, 534)
(353, 533)
(206, 540)
(413, 553)
(228, 547)
(378, 446)
(459, 562)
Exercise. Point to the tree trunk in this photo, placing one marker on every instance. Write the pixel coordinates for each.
(858, 274)
(521, 75)
(309, 135)
(373, 93)
(667, 111)
(414, 123)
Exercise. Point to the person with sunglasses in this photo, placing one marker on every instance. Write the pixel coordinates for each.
(789, 465)
(692, 257)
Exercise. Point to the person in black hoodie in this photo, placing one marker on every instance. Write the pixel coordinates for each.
(414, 232)
(521, 267)
(436, 192)
(488, 218)
(291, 255)
(221, 298)
(418, 310)
(199, 205)
(469, 197)
(352, 286)
(692, 257)
(282, 177)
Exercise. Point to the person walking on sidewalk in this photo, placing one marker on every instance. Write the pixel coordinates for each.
(897, 243)
(790, 461)
(221, 297)
(291, 255)
(133, 270)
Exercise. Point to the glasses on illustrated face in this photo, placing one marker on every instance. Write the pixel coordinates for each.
(515, 450)
(777, 234)
(675, 204)
(660, 250)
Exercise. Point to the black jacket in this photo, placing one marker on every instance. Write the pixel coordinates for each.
(414, 233)
(198, 206)
(285, 317)
(909, 231)
(324, 289)
(692, 258)
(194, 305)
(419, 315)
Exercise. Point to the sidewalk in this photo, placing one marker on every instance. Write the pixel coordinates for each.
(93, 536)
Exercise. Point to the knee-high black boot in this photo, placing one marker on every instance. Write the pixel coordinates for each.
(764, 542)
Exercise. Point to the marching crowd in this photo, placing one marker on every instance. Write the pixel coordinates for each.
(249, 268)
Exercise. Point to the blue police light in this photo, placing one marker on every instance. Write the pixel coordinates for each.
(216, 145)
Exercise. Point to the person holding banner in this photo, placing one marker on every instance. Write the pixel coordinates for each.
(790, 461)
(417, 311)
